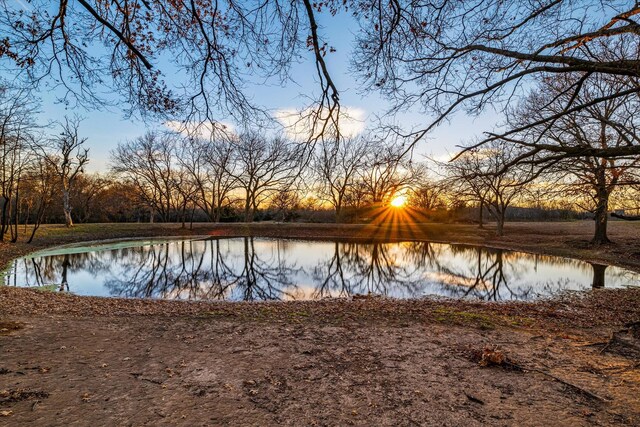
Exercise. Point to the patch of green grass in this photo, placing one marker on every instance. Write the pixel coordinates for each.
(464, 318)
(521, 321)
(299, 314)
(219, 313)
(266, 310)
(479, 320)
(47, 288)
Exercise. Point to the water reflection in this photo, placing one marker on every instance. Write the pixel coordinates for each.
(279, 269)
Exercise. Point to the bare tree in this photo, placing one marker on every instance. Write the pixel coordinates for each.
(609, 126)
(218, 45)
(439, 55)
(17, 134)
(462, 180)
(336, 166)
(445, 55)
(88, 189)
(68, 158)
(40, 183)
(482, 175)
(387, 171)
(209, 164)
(284, 203)
(427, 194)
(149, 163)
(263, 167)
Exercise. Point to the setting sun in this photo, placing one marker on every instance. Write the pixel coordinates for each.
(398, 201)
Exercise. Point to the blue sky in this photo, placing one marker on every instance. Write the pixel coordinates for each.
(105, 129)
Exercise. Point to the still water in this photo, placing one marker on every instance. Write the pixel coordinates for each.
(282, 269)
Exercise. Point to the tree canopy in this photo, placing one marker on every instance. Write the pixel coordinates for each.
(437, 56)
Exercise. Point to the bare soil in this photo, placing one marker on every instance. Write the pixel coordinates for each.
(69, 360)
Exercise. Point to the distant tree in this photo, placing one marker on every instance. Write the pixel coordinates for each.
(17, 136)
(121, 201)
(427, 195)
(387, 170)
(284, 203)
(41, 183)
(210, 168)
(149, 163)
(68, 158)
(263, 167)
(481, 174)
(336, 165)
(357, 197)
(87, 191)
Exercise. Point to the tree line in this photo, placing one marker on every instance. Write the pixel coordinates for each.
(169, 176)
(564, 73)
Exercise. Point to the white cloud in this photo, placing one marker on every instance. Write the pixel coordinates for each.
(299, 124)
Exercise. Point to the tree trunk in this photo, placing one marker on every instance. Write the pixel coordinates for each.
(39, 217)
(26, 218)
(500, 223)
(66, 206)
(600, 234)
(248, 217)
(16, 217)
(480, 217)
(3, 223)
(184, 215)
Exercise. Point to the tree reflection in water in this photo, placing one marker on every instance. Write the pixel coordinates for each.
(356, 268)
(161, 273)
(278, 269)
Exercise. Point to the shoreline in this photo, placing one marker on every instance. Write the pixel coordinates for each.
(70, 359)
(458, 234)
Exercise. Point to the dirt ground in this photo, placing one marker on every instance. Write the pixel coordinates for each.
(69, 360)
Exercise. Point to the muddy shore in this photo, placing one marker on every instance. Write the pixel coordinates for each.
(69, 360)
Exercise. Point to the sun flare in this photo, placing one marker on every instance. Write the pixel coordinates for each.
(398, 201)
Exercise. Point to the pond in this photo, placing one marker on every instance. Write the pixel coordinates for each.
(248, 268)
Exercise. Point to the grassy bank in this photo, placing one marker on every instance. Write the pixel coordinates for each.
(570, 239)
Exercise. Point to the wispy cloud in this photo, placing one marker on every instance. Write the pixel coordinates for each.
(23, 5)
(299, 124)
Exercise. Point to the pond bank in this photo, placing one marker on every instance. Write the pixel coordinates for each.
(570, 239)
(363, 361)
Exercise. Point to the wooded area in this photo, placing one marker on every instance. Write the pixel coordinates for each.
(171, 176)
(569, 97)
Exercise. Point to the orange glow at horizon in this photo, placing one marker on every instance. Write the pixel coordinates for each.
(398, 201)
